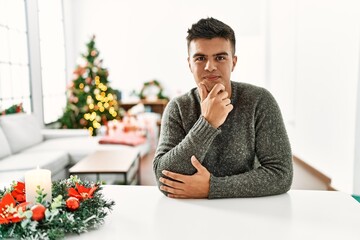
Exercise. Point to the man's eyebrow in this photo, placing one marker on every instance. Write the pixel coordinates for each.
(198, 55)
(203, 55)
(222, 53)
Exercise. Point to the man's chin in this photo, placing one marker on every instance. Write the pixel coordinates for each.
(209, 86)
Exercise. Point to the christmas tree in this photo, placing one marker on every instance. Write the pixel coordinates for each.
(91, 101)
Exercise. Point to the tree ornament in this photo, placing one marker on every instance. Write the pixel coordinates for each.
(83, 122)
(96, 91)
(72, 203)
(93, 53)
(38, 212)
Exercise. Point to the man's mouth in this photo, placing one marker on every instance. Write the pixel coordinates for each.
(212, 77)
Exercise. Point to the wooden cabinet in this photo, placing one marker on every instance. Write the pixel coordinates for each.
(156, 106)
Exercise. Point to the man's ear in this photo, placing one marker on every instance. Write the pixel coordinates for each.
(234, 62)
(188, 59)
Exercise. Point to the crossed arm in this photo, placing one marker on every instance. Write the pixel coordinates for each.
(215, 106)
(187, 186)
(177, 147)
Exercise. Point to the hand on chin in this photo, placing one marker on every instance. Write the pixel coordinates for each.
(209, 85)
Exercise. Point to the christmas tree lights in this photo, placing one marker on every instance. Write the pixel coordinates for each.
(91, 101)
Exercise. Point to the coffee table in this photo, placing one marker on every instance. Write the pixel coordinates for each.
(124, 161)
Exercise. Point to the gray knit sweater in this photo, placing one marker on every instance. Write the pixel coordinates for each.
(254, 129)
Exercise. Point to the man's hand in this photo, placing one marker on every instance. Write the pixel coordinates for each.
(215, 105)
(185, 186)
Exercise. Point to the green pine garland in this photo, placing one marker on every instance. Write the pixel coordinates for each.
(16, 108)
(58, 220)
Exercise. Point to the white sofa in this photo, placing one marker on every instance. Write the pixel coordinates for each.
(24, 146)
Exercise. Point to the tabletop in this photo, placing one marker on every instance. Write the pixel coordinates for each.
(143, 212)
(106, 161)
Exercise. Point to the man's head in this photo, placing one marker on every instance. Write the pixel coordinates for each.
(211, 53)
(209, 28)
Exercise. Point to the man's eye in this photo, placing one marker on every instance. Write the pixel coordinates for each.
(199, 59)
(220, 58)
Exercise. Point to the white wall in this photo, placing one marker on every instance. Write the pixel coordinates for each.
(315, 51)
(34, 60)
(143, 40)
(306, 52)
(356, 170)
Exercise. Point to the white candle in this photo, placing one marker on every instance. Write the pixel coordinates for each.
(35, 178)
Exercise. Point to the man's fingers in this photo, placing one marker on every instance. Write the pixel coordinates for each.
(202, 92)
(229, 107)
(170, 189)
(223, 95)
(167, 182)
(226, 101)
(196, 163)
(180, 196)
(174, 176)
(216, 90)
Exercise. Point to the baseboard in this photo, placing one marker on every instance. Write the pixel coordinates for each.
(316, 173)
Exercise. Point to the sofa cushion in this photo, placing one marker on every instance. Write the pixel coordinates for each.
(21, 130)
(55, 161)
(4, 146)
(80, 147)
(63, 133)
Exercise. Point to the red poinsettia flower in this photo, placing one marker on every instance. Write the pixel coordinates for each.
(9, 210)
(19, 192)
(81, 192)
(19, 108)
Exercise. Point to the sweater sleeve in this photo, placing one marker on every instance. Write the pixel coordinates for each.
(176, 147)
(272, 148)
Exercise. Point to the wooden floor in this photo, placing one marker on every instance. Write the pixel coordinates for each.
(303, 177)
(147, 177)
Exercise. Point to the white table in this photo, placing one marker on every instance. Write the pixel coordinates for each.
(142, 212)
(125, 162)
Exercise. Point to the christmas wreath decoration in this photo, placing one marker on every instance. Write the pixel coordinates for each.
(16, 108)
(77, 207)
(152, 84)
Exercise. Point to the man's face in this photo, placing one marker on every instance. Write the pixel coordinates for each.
(211, 61)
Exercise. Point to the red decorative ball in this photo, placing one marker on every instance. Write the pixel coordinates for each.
(38, 212)
(72, 203)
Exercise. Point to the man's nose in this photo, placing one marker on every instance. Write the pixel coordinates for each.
(210, 66)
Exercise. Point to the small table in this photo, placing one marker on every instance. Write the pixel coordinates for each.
(125, 162)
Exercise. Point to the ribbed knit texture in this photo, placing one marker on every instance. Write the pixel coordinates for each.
(253, 129)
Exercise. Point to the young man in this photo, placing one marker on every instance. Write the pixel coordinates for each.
(222, 139)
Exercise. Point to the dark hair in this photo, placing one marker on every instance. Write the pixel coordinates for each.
(211, 28)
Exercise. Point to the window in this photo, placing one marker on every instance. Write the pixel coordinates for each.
(52, 48)
(14, 63)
